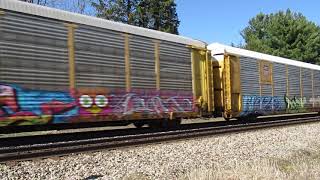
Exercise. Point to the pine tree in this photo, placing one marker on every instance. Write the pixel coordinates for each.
(284, 34)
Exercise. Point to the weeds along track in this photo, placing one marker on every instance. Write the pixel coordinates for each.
(45, 146)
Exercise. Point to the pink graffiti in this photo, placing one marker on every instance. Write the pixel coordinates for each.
(150, 104)
(8, 98)
(120, 103)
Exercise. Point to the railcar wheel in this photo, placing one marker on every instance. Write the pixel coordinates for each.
(138, 124)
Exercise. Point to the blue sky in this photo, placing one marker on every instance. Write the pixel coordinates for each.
(222, 20)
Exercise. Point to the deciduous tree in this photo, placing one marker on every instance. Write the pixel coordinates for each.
(153, 14)
(77, 6)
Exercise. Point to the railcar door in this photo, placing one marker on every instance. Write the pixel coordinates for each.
(231, 86)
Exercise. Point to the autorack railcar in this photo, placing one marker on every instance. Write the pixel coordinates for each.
(256, 84)
(62, 67)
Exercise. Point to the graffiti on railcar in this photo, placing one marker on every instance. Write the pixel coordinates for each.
(22, 106)
(295, 104)
(145, 103)
(315, 101)
(267, 104)
(19, 106)
(262, 104)
(93, 102)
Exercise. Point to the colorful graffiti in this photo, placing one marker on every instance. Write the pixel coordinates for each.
(262, 104)
(19, 106)
(295, 104)
(144, 103)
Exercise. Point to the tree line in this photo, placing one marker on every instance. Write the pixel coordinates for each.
(286, 34)
(153, 14)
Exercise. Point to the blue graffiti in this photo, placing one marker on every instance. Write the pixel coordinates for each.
(262, 104)
(35, 106)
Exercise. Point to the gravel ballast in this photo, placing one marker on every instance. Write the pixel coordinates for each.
(171, 160)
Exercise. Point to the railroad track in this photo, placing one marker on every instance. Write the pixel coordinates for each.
(46, 146)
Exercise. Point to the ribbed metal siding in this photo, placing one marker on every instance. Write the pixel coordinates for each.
(307, 86)
(99, 56)
(175, 67)
(33, 51)
(142, 60)
(294, 81)
(279, 79)
(266, 90)
(307, 82)
(249, 75)
(316, 83)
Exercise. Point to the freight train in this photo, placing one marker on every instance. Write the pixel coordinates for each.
(58, 67)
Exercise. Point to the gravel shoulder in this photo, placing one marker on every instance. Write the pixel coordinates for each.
(173, 160)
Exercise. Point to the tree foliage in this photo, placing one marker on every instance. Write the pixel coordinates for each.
(284, 34)
(77, 6)
(117, 10)
(153, 14)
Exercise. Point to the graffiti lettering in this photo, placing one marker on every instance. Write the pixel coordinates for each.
(295, 104)
(132, 102)
(262, 104)
(315, 101)
(19, 105)
(22, 106)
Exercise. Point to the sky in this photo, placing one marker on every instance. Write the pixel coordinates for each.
(222, 20)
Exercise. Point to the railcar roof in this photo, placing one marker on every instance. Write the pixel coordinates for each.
(28, 8)
(217, 48)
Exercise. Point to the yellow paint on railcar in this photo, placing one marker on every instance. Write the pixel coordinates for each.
(272, 85)
(157, 63)
(127, 61)
(71, 54)
(202, 80)
(204, 83)
(218, 86)
(227, 88)
(236, 86)
(232, 87)
(209, 84)
(265, 71)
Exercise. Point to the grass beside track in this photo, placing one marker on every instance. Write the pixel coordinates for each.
(302, 164)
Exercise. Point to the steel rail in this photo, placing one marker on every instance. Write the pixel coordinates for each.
(62, 148)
